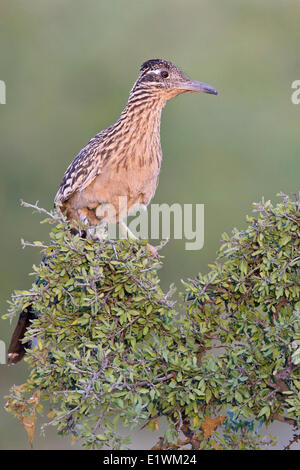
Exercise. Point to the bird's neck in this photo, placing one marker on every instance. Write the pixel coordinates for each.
(136, 134)
(143, 114)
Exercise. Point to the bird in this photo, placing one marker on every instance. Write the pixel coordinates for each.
(121, 163)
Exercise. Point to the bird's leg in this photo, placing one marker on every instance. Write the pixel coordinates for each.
(91, 232)
(127, 231)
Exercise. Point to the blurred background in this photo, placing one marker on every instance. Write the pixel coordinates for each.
(68, 66)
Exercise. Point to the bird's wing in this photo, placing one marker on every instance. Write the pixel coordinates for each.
(82, 171)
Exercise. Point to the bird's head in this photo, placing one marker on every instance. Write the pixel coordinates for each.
(164, 79)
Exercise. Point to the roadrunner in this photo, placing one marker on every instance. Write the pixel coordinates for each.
(120, 164)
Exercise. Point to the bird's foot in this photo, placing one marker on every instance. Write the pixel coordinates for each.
(98, 233)
(153, 251)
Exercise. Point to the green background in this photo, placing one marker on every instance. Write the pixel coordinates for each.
(68, 68)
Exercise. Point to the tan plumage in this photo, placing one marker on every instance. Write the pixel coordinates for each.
(121, 161)
(124, 160)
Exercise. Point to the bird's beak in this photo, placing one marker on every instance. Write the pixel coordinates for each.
(194, 86)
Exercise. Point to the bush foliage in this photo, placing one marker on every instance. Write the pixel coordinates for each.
(111, 350)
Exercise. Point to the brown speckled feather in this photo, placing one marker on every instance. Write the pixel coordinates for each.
(81, 172)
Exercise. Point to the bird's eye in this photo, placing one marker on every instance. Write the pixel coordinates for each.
(164, 74)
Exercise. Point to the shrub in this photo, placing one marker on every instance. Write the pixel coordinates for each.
(110, 348)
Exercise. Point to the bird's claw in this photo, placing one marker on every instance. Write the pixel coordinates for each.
(153, 251)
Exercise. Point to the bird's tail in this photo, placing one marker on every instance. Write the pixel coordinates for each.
(16, 349)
